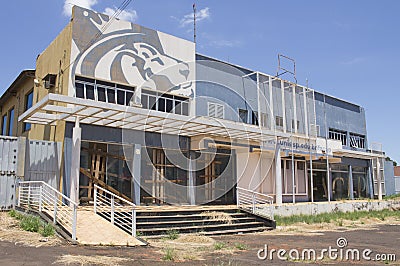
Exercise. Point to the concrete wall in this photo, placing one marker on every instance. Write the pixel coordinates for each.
(342, 206)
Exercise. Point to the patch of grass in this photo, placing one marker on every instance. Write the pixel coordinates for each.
(172, 234)
(169, 254)
(30, 223)
(33, 223)
(47, 230)
(336, 217)
(394, 196)
(219, 245)
(240, 246)
(15, 214)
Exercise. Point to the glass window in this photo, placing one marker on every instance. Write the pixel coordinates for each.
(89, 92)
(28, 104)
(10, 122)
(254, 118)
(4, 125)
(243, 115)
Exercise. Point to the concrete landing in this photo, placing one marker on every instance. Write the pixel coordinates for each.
(91, 229)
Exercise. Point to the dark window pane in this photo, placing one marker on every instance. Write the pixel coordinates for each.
(152, 103)
(243, 115)
(161, 104)
(121, 97)
(4, 126)
(145, 100)
(169, 105)
(79, 90)
(10, 122)
(129, 96)
(185, 108)
(178, 107)
(101, 94)
(111, 95)
(89, 92)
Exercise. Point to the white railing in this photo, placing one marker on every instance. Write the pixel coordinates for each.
(39, 196)
(117, 210)
(254, 202)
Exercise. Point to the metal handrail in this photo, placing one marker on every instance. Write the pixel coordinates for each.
(39, 196)
(255, 202)
(121, 214)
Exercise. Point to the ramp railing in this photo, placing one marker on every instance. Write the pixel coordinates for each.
(255, 202)
(39, 196)
(115, 209)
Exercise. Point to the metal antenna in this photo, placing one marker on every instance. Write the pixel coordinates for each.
(282, 70)
(194, 22)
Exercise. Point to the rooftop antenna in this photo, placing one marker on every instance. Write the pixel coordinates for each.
(282, 70)
(194, 22)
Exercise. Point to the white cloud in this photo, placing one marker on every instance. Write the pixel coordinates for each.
(128, 15)
(67, 11)
(200, 15)
(354, 61)
(225, 43)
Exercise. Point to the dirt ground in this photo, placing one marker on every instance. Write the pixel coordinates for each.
(23, 248)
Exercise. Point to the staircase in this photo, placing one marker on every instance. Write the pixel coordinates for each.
(217, 220)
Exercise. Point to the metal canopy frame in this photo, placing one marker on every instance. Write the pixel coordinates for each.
(56, 107)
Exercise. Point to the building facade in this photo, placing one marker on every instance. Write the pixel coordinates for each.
(139, 112)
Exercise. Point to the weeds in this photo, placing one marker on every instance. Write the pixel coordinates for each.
(336, 217)
(169, 254)
(47, 230)
(172, 234)
(219, 245)
(240, 246)
(32, 223)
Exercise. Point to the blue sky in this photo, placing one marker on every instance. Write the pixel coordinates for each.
(349, 49)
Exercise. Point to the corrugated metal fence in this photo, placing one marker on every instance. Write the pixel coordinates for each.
(30, 160)
(43, 162)
(8, 171)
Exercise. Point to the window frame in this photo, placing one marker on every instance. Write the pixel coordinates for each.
(28, 126)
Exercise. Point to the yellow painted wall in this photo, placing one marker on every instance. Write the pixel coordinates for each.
(54, 60)
(17, 101)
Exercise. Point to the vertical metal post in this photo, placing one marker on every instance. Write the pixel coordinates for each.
(74, 218)
(254, 202)
(55, 210)
(134, 222)
(29, 195)
(112, 209)
(328, 179)
(40, 197)
(95, 199)
(19, 194)
(351, 185)
(370, 181)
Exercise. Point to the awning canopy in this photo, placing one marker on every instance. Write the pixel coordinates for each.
(56, 107)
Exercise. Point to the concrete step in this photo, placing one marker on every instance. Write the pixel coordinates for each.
(189, 222)
(199, 228)
(222, 232)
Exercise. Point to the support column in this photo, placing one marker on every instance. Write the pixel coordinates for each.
(75, 160)
(191, 191)
(379, 178)
(278, 175)
(351, 185)
(370, 182)
(136, 169)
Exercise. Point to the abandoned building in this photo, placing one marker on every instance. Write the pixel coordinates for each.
(138, 112)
